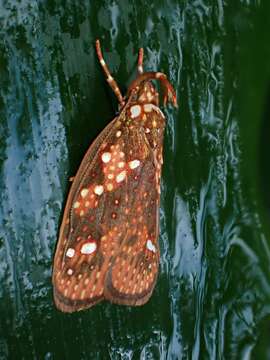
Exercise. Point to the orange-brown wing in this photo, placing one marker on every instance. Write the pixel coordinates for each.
(87, 240)
(110, 224)
(133, 273)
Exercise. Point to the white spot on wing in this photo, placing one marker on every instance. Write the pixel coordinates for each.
(70, 252)
(134, 164)
(88, 248)
(120, 177)
(84, 192)
(150, 246)
(70, 272)
(121, 164)
(76, 205)
(106, 157)
(98, 190)
(110, 187)
(148, 107)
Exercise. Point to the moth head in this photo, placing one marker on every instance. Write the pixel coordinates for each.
(147, 93)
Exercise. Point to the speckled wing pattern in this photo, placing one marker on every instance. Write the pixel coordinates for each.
(108, 246)
(108, 242)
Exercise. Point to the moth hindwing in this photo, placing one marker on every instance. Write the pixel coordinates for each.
(108, 242)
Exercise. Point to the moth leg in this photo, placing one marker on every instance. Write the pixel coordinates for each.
(109, 78)
(140, 61)
(169, 92)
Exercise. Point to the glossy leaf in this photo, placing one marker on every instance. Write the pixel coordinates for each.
(212, 295)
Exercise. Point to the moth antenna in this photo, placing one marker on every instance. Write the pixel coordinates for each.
(110, 79)
(140, 61)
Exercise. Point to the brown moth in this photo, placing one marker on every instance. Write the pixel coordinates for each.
(108, 243)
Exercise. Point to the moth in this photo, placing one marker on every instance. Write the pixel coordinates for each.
(108, 242)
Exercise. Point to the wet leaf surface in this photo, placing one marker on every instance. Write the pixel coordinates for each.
(212, 296)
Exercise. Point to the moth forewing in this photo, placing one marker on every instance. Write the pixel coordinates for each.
(108, 242)
(133, 272)
(68, 281)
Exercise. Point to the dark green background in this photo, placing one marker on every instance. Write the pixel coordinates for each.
(212, 299)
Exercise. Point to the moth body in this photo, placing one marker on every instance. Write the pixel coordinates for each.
(108, 242)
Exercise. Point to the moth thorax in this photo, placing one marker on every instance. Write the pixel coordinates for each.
(147, 93)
